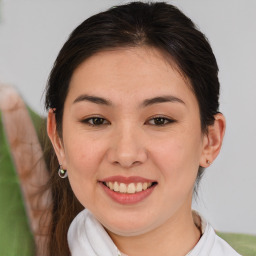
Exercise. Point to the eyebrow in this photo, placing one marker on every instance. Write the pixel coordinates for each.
(145, 103)
(93, 99)
(161, 99)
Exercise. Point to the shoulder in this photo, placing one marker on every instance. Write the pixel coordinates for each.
(210, 243)
(221, 247)
(215, 245)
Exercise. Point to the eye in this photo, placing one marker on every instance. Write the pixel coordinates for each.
(160, 121)
(95, 121)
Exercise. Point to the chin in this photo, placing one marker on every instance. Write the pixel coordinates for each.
(127, 228)
(126, 232)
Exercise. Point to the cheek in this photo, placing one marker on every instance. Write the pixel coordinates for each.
(178, 157)
(83, 162)
(82, 156)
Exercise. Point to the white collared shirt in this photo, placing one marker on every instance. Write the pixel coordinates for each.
(87, 237)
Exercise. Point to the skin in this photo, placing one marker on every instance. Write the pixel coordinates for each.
(130, 142)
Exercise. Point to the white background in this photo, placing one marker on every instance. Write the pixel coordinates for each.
(32, 32)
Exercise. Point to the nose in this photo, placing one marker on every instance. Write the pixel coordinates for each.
(127, 148)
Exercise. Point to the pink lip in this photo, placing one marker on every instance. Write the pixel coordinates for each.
(126, 180)
(126, 198)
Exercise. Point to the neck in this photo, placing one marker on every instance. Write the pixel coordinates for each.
(180, 237)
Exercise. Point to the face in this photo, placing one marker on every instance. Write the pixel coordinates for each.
(132, 140)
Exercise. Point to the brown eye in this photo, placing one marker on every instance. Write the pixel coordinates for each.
(160, 121)
(95, 121)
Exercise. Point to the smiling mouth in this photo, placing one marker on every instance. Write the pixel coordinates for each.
(130, 188)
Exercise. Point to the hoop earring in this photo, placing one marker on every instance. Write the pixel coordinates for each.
(62, 173)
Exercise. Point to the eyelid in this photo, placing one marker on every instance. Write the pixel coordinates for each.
(170, 120)
(86, 121)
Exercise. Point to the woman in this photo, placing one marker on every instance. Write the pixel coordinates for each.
(133, 119)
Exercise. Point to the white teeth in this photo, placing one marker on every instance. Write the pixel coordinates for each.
(116, 187)
(110, 185)
(139, 187)
(123, 188)
(130, 188)
(145, 186)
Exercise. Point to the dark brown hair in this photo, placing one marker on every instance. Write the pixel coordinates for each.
(159, 25)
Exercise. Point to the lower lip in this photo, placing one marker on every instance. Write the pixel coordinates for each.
(125, 198)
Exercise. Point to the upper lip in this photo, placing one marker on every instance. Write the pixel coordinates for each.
(126, 180)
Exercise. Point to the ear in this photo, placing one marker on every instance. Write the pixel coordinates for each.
(55, 139)
(212, 141)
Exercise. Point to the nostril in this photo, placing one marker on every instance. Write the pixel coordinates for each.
(126, 155)
(127, 163)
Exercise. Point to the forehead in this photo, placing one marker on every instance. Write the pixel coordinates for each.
(129, 72)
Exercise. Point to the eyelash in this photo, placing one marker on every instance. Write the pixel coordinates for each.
(166, 121)
(87, 121)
